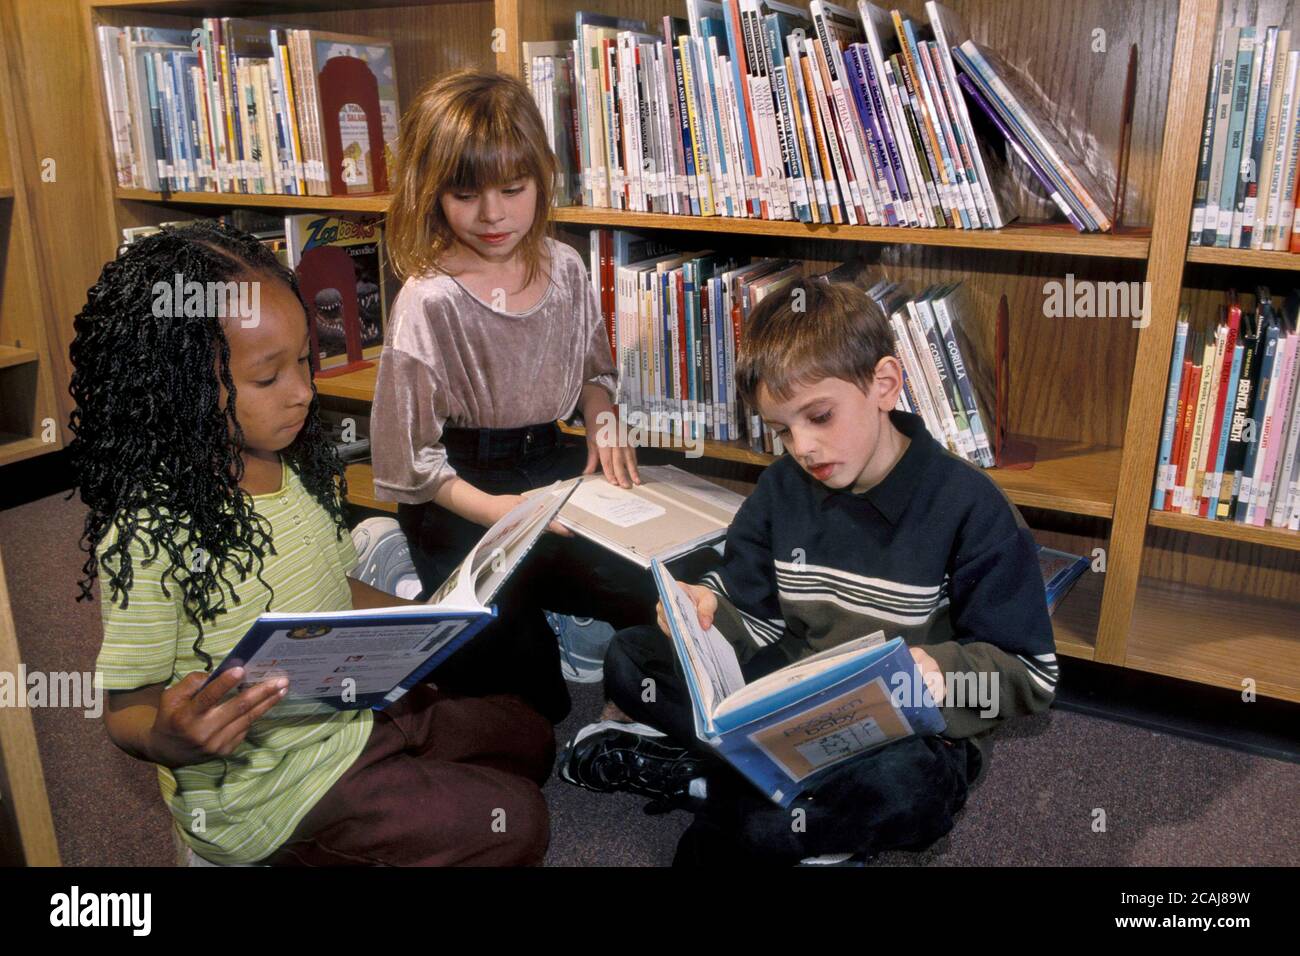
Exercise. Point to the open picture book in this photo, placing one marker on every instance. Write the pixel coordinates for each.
(346, 660)
(783, 730)
(671, 513)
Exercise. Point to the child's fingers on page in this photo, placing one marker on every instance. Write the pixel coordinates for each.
(619, 466)
(211, 695)
(630, 458)
(263, 695)
(227, 738)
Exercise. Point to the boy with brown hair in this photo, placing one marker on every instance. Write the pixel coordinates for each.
(866, 524)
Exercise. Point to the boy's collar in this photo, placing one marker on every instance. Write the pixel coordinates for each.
(892, 493)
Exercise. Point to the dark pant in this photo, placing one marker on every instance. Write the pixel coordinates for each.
(902, 796)
(518, 653)
(441, 781)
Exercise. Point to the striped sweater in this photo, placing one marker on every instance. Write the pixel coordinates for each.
(934, 553)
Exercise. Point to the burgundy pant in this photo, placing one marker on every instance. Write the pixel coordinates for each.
(442, 781)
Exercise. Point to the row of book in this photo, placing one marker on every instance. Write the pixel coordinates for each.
(756, 108)
(243, 106)
(1228, 448)
(943, 380)
(343, 275)
(1248, 174)
(676, 319)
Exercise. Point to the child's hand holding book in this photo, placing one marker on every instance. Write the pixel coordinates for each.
(706, 605)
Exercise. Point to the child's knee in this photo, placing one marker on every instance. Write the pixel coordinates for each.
(519, 829)
(625, 660)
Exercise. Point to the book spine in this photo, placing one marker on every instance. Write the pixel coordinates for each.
(1274, 134)
(1259, 409)
(1171, 407)
(1241, 92)
(1202, 187)
(1237, 434)
(1274, 416)
(1214, 373)
(1252, 145)
(1222, 413)
(1187, 389)
(1282, 501)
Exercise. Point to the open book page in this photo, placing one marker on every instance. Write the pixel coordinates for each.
(352, 661)
(670, 513)
(714, 669)
(771, 684)
(478, 578)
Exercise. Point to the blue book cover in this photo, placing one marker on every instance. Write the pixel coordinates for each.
(1171, 412)
(356, 659)
(786, 729)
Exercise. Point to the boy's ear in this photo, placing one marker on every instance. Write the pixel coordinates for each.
(887, 382)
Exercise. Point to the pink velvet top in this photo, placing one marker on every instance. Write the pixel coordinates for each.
(450, 359)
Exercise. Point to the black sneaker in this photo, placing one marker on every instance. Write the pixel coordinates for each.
(611, 755)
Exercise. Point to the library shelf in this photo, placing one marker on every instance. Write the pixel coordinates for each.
(361, 488)
(253, 8)
(6, 192)
(354, 204)
(11, 355)
(1215, 637)
(1075, 620)
(1056, 238)
(17, 447)
(1268, 536)
(1060, 238)
(1253, 258)
(1067, 476)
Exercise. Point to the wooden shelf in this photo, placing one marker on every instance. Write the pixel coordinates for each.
(1268, 536)
(358, 386)
(15, 447)
(1075, 620)
(1215, 637)
(1061, 239)
(6, 192)
(1253, 258)
(1051, 238)
(361, 488)
(250, 8)
(376, 203)
(15, 356)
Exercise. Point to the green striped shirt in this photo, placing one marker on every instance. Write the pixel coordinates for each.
(240, 808)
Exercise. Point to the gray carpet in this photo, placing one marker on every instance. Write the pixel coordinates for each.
(1166, 800)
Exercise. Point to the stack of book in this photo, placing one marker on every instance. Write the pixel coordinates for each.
(1246, 180)
(241, 106)
(755, 108)
(1228, 448)
(675, 320)
(945, 381)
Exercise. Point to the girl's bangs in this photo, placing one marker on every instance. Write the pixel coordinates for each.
(488, 158)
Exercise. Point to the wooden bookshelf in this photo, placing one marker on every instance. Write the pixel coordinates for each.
(1216, 637)
(1250, 258)
(1054, 238)
(1268, 536)
(27, 398)
(1092, 389)
(361, 488)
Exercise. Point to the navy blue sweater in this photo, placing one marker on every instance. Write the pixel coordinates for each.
(934, 553)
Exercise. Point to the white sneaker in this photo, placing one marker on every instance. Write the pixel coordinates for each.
(385, 558)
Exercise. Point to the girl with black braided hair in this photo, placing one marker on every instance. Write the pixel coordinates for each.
(213, 496)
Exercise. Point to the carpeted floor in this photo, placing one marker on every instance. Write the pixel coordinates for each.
(1166, 800)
